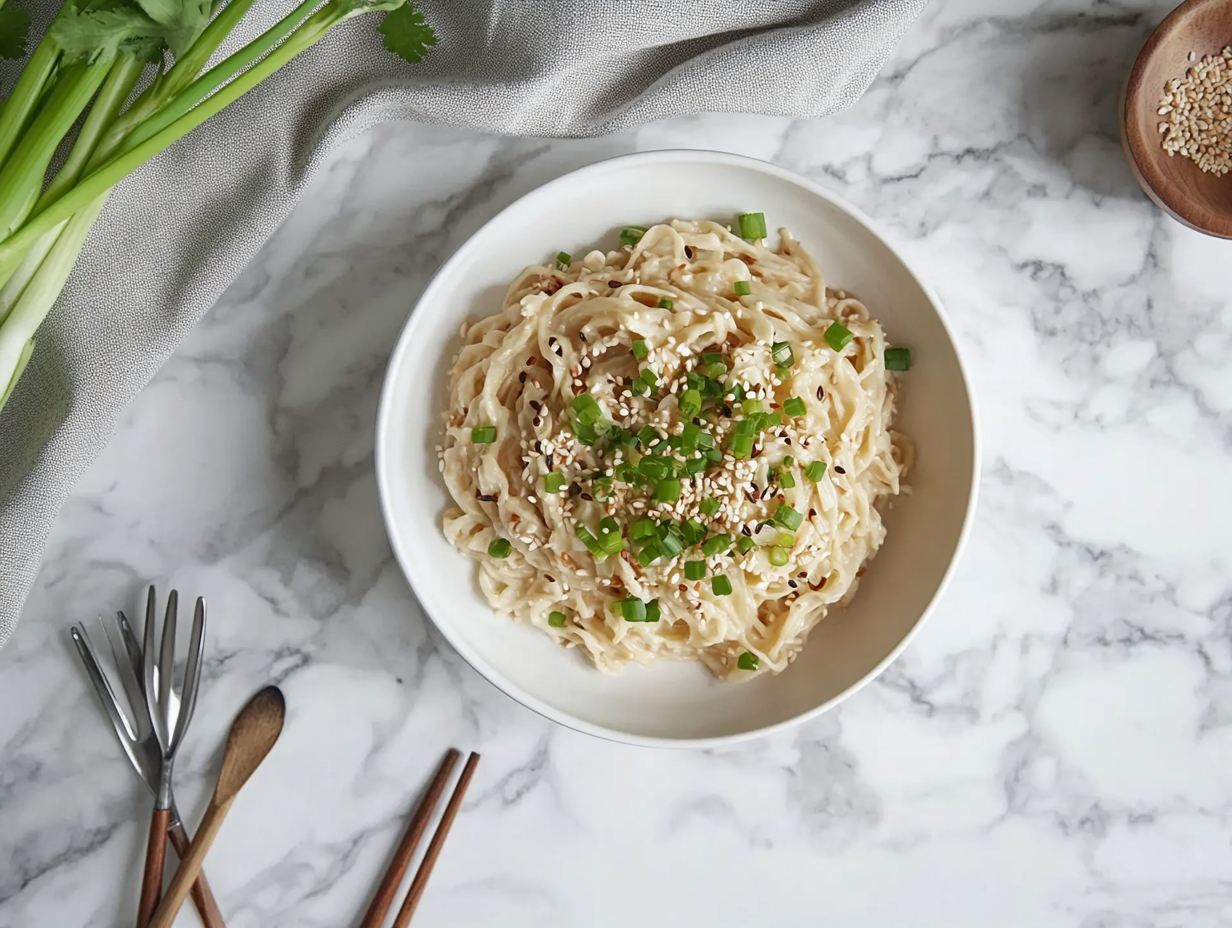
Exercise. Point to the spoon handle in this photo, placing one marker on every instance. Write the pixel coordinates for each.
(202, 895)
(190, 864)
(155, 855)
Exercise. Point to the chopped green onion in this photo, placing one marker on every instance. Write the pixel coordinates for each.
(789, 461)
(752, 407)
(602, 488)
(787, 540)
(747, 427)
(611, 543)
(639, 349)
(742, 288)
(654, 467)
(781, 354)
(556, 619)
(649, 378)
(667, 491)
(670, 544)
(838, 336)
(665, 303)
(591, 543)
(646, 435)
(500, 547)
(748, 661)
(586, 409)
(693, 532)
(705, 441)
(713, 370)
(714, 455)
(652, 611)
(770, 420)
(786, 480)
(794, 406)
(745, 544)
(633, 609)
(815, 471)
(741, 446)
(690, 403)
(721, 586)
(716, 545)
(694, 570)
(752, 225)
(649, 554)
(642, 529)
(554, 482)
(564, 259)
(688, 437)
(711, 389)
(608, 525)
(694, 466)
(631, 235)
(483, 434)
(787, 517)
(783, 371)
(585, 434)
(712, 357)
(777, 555)
(736, 391)
(898, 359)
(710, 507)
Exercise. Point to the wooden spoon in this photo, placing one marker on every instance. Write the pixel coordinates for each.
(252, 734)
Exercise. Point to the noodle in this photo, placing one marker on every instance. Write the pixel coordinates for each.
(558, 374)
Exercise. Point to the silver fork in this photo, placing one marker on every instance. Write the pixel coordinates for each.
(135, 731)
(169, 721)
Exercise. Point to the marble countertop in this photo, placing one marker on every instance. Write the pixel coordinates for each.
(1055, 749)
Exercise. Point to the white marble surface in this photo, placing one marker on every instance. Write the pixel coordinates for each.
(1056, 748)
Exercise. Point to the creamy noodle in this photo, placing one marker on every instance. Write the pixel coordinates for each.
(706, 312)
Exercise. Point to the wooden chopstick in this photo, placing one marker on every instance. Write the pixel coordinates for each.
(388, 887)
(420, 882)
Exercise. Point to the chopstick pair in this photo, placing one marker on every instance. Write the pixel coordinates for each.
(384, 896)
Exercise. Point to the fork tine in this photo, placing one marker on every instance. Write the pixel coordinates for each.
(192, 672)
(106, 695)
(131, 644)
(139, 721)
(148, 652)
(166, 661)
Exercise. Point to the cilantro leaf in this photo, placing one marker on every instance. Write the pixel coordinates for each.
(14, 26)
(182, 20)
(406, 33)
(96, 34)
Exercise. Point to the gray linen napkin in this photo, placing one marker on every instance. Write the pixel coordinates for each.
(176, 234)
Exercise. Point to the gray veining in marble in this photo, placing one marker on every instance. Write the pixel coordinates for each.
(1054, 750)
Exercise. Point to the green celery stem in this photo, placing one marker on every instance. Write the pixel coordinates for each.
(21, 178)
(24, 99)
(105, 177)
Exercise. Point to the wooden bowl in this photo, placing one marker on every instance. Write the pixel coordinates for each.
(1202, 201)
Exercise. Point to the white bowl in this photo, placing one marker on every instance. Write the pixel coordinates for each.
(678, 704)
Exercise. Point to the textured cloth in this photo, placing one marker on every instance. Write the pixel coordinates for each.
(177, 233)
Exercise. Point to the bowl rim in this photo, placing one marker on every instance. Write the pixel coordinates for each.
(497, 679)
(1154, 182)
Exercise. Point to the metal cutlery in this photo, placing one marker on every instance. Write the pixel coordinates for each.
(136, 732)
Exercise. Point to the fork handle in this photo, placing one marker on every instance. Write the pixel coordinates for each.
(202, 895)
(155, 856)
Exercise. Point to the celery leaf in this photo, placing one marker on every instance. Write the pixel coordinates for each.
(14, 26)
(406, 33)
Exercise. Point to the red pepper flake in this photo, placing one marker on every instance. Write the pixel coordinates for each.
(531, 360)
(613, 283)
(588, 497)
(624, 556)
(549, 578)
(818, 586)
(861, 571)
(484, 498)
(536, 405)
(812, 513)
(683, 588)
(537, 422)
